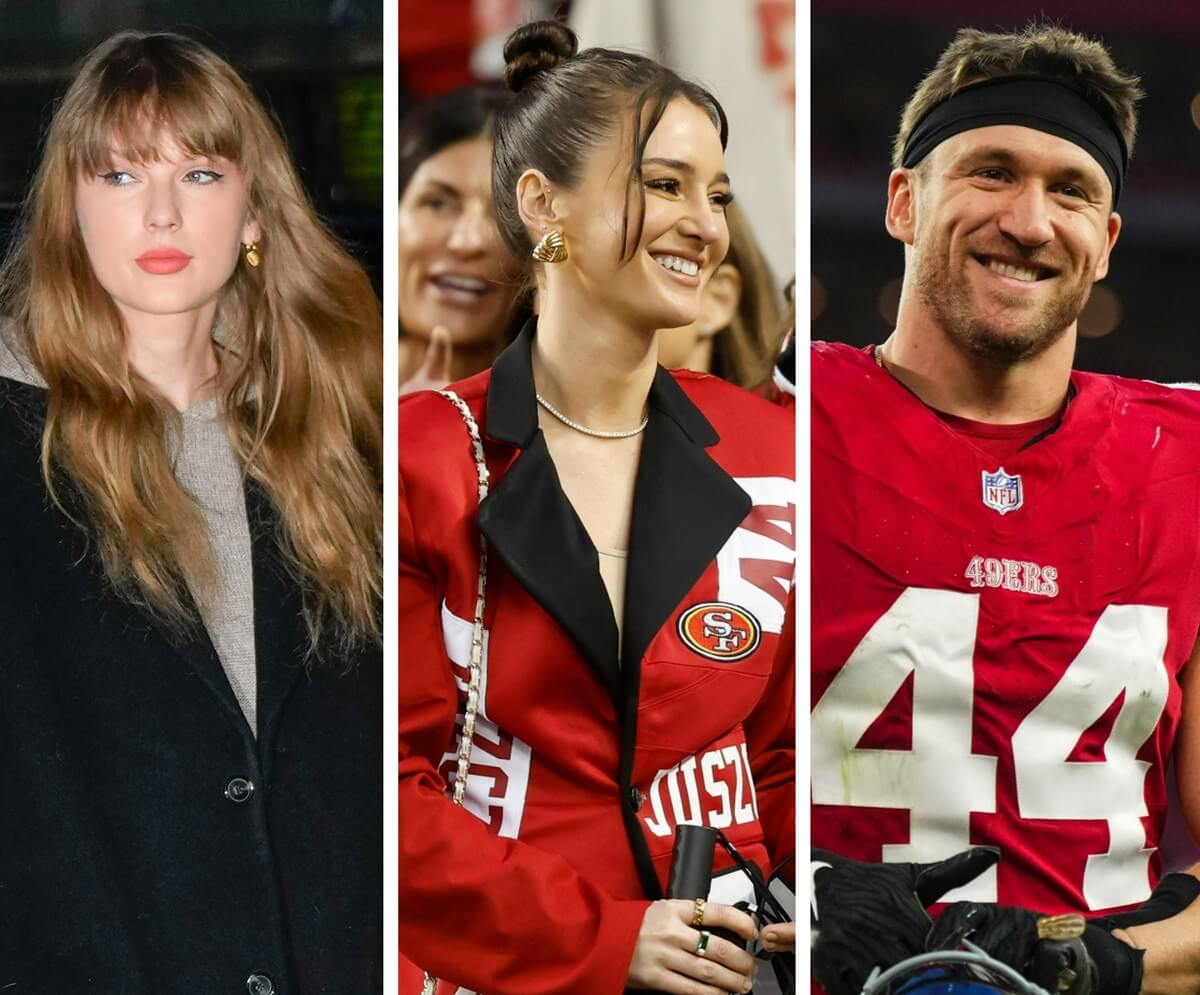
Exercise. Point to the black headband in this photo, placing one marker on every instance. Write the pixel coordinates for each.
(1036, 102)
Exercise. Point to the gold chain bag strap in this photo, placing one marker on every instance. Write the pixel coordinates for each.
(476, 662)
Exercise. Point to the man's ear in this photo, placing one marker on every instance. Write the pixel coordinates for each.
(1114, 229)
(901, 216)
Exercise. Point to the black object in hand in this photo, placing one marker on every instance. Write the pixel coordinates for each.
(691, 871)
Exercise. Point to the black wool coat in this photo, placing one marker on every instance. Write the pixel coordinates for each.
(149, 844)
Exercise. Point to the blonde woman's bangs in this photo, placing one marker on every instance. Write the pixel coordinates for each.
(136, 126)
(136, 95)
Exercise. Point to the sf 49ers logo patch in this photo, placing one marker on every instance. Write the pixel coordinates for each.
(720, 631)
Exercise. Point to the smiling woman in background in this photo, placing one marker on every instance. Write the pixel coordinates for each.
(737, 334)
(189, 594)
(457, 288)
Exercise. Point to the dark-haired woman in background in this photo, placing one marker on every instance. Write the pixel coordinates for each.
(736, 335)
(631, 666)
(190, 707)
(457, 289)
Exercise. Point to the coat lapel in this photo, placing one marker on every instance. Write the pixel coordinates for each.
(280, 632)
(191, 644)
(197, 650)
(529, 522)
(685, 508)
(280, 635)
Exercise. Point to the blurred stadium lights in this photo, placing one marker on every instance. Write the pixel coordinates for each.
(818, 297)
(1102, 314)
(887, 303)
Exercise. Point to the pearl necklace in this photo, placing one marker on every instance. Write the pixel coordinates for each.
(593, 432)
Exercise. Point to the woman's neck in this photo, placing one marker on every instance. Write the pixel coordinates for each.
(592, 367)
(175, 354)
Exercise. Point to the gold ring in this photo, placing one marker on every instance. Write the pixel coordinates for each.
(702, 943)
(1064, 927)
(698, 914)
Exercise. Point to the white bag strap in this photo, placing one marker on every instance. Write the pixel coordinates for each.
(476, 662)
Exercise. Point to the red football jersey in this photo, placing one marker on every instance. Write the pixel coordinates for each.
(996, 648)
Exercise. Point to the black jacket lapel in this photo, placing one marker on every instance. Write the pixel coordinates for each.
(197, 650)
(280, 635)
(190, 643)
(684, 509)
(530, 523)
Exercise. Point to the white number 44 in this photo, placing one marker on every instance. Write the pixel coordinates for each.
(931, 634)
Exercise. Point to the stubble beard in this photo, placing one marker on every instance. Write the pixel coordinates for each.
(949, 300)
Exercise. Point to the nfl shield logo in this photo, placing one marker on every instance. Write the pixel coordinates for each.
(1002, 492)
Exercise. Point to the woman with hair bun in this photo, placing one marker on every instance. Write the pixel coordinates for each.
(596, 559)
(190, 401)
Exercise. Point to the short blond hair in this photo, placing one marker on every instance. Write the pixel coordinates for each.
(1038, 49)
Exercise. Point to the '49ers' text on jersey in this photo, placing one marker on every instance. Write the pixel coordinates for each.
(996, 648)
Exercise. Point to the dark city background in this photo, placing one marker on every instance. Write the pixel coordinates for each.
(317, 64)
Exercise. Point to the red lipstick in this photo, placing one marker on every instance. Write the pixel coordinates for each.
(162, 262)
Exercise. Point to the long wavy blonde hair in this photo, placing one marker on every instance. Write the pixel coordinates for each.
(300, 352)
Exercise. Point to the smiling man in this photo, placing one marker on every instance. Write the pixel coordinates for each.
(1006, 552)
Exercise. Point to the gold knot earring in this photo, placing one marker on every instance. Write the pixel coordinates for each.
(252, 254)
(551, 249)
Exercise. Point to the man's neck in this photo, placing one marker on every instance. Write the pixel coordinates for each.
(947, 377)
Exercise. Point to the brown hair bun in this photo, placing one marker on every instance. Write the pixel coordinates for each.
(535, 48)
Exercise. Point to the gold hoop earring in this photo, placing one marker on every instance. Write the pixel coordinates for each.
(252, 254)
(551, 249)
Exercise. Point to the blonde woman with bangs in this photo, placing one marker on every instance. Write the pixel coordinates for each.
(190, 435)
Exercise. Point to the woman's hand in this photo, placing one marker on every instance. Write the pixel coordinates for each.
(666, 958)
(780, 939)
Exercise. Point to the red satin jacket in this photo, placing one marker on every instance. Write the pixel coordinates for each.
(584, 761)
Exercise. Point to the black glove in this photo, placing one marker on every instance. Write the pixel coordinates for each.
(868, 915)
(1098, 964)
(1174, 893)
